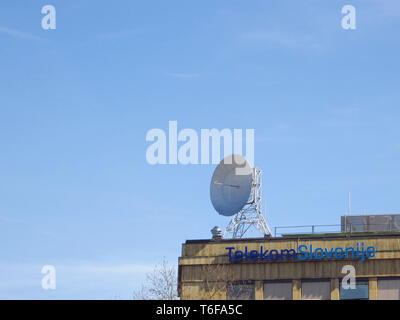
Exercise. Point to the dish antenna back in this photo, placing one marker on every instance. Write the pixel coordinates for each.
(235, 190)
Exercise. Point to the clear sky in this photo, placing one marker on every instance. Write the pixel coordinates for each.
(76, 103)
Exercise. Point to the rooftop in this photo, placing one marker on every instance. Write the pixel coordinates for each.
(310, 236)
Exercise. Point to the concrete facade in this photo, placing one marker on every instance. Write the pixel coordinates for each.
(206, 273)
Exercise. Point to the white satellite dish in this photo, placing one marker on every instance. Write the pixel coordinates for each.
(231, 185)
(235, 190)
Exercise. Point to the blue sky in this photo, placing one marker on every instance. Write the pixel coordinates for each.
(76, 103)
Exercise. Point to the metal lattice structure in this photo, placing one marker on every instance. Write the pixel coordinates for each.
(251, 213)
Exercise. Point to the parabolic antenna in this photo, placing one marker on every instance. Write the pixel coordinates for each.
(231, 185)
(235, 190)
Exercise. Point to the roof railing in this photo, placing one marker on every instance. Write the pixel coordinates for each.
(333, 228)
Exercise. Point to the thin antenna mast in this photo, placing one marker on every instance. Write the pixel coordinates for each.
(349, 208)
(251, 214)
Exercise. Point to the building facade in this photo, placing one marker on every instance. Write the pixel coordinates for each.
(292, 267)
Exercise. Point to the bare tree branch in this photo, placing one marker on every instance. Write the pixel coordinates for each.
(160, 284)
(218, 281)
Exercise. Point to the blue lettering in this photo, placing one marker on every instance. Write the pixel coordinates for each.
(263, 255)
(321, 256)
(253, 255)
(362, 253)
(337, 255)
(371, 252)
(230, 252)
(238, 256)
(302, 252)
(274, 256)
(329, 255)
(347, 252)
(288, 254)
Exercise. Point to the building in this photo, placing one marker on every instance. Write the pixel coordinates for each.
(208, 269)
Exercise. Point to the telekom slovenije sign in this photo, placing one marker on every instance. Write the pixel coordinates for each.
(303, 253)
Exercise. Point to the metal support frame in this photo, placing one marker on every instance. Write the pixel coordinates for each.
(251, 213)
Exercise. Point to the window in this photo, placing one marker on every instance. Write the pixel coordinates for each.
(361, 292)
(278, 290)
(243, 290)
(389, 288)
(316, 289)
